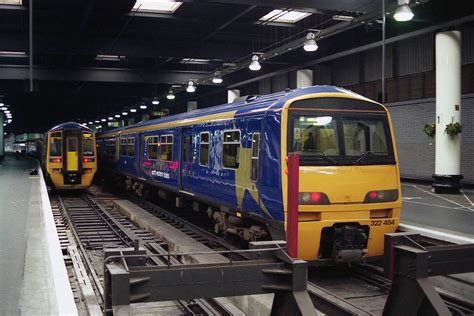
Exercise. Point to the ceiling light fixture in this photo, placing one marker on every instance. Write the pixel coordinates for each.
(171, 95)
(110, 118)
(124, 113)
(217, 77)
(97, 121)
(6, 111)
(117, 115)
(403, 13)
(310, 44)
(191, 87)
(155, 101)
(9, 121)
(133, 110)
(90, 123)
(255, 64)
(143, 107)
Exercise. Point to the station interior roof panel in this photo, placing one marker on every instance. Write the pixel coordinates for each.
(92, 58)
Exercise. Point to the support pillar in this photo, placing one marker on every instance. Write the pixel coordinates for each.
(192, 105)
(304, 78)
(448, 110)
(232, 95)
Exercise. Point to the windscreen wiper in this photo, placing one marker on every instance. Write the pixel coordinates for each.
(323, 155)
(363, 156)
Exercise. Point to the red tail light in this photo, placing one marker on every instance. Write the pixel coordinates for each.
(313, 198)
(381, 196)
(86, 160)
(56, 160)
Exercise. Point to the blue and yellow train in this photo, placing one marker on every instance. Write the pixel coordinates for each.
(231, 158)
(69, 156)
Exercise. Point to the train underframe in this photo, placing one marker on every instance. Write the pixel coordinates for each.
(337, 241)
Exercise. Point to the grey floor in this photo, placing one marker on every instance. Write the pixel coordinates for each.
(15, 187)
(454, 212)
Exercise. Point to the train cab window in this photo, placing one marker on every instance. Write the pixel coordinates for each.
(123, 146)
(166, 148)
(55, 146)
(71, 144)
(255, 156)
(204, 149)
(315, 134)
(131, 147)
(231, 149)
(152, 147)
(87, 145)
(361, 136)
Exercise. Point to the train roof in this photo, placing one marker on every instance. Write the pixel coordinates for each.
(70, 125)
(247, 104)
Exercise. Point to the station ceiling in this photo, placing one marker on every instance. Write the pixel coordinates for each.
(93, 58)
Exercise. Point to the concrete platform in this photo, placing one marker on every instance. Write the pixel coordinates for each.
(33, 276)
(448, 217)
(180, 242)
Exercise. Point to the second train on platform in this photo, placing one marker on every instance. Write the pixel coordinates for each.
(231, 158)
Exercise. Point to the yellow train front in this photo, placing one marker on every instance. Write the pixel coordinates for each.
(69, 158)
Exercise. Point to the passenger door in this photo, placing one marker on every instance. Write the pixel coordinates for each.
(72, 153)
(186, 160)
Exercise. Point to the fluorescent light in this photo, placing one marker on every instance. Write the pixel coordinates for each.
(117, 115)
(170, 95)
(191, 87)
(103, 120)
(217, 77)
(110, 57)
(155, 101)
(284, 16)
(255, 64)
(4, 108)
(159, 6)
(124, 113)
(90, 123)
(2, 104)
(12, 54)
(346, 18)
(97, 121)
(12, 2)
(310, 44)
(110, 118)
(403, 13)
(143, 107)
(85, 123)
(195, 61)
(6, 111)
(133, 110)
(9, 121)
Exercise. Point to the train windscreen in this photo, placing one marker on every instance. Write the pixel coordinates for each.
(341, 139)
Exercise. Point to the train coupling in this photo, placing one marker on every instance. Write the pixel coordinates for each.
(345, 243)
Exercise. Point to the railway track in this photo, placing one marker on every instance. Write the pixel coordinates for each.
(91, 227)
(367, 281)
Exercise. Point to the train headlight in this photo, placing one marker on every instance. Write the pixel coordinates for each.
(313, 198)
(381, 196)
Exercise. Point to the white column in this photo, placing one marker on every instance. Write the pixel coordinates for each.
(192, 105)
(232, 94)
(304, 78)
(448, 110)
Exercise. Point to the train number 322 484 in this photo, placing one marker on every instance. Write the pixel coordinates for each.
(380, 222)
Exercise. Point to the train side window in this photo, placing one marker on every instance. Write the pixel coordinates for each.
(131, 147)
(123, 146)
(255, 156)
(166, 148)
(55, 147)
(110, 147)
(152, 147)
(231, 149)
(204, 149)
